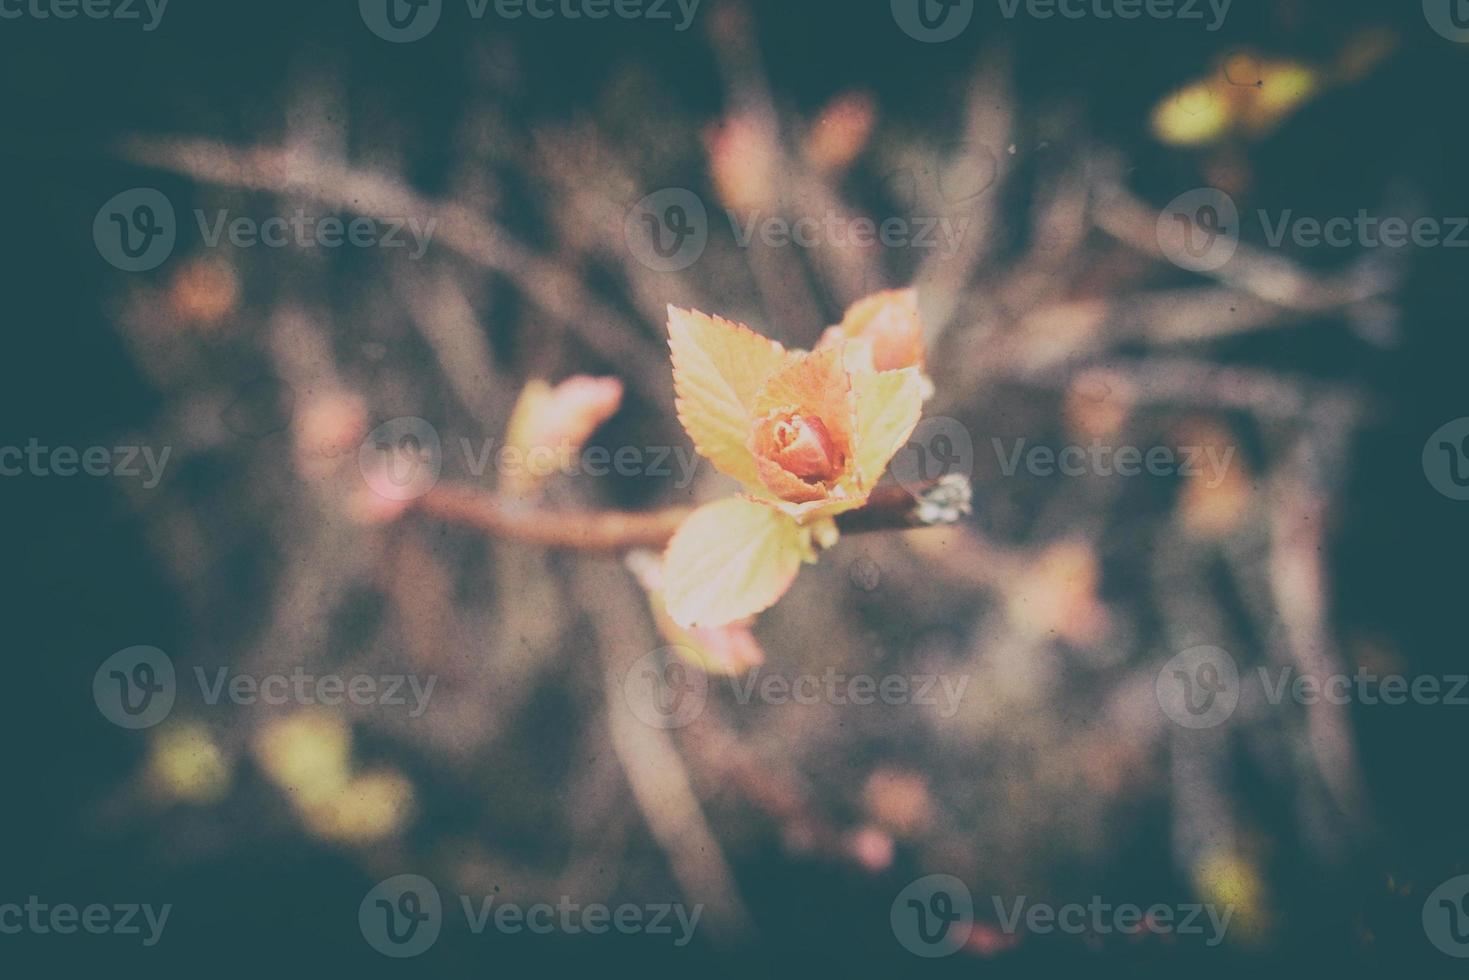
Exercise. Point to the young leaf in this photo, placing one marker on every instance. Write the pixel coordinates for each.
(730, 559)
(718, 367)
(888, 407)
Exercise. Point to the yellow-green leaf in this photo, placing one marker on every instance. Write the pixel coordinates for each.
(730, 559)
(718, 367)
(888, 406)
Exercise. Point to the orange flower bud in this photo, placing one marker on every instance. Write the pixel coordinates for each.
(802, 446)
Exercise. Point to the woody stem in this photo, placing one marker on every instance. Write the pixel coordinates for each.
(612, 531)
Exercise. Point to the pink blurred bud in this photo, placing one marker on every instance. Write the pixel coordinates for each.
(841, 131)
(887, 324)
(326, 429)
(566, 414)
(871, 848)
(743, 159)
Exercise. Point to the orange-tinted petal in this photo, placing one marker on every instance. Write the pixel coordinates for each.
(814, 385)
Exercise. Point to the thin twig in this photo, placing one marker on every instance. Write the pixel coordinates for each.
(332, 184)
(889, 509)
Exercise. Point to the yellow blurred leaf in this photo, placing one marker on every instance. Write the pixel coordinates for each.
(1246, 95)
(186, 764)
(730, 649)
(1233, 882)
(1191, 116)
(730, 559)
(307, 753)
(370, 807)
(1282, 88)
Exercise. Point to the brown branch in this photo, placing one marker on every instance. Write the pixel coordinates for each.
(333, 184)
(579, 530)
(890, 509)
